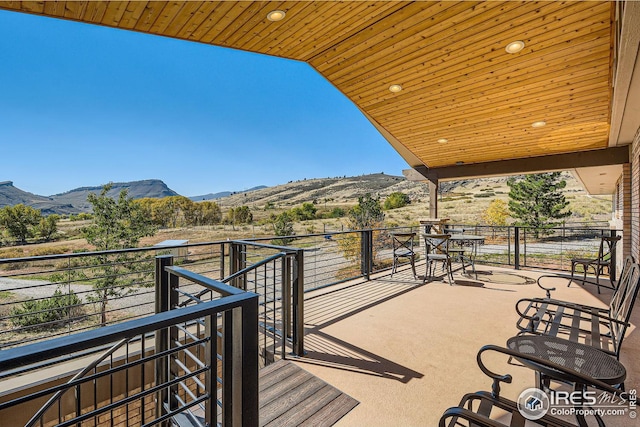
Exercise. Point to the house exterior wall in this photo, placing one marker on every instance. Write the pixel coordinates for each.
(634, 196)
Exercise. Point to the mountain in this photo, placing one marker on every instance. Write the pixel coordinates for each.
(10, 195)
(347, 189)
(339, 189)
(153, 188)
(75, 201)
(212, 196)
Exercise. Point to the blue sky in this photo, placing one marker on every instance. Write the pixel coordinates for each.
(85, 105)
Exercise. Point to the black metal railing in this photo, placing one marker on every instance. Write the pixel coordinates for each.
(277, 279)
(146, 374)
(47, 296)
(528, 247)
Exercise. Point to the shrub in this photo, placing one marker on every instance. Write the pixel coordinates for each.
(396, 200)
(48, 312)
(337, 213)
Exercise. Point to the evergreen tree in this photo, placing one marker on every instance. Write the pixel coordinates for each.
(537, 200)
(282, 226)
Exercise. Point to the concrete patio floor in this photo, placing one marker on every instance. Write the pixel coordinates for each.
(407, 351)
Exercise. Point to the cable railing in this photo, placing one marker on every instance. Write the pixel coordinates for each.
(149, 374)
(529, 247)
(55, 295)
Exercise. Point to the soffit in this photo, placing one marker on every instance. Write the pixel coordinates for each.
(458, 81)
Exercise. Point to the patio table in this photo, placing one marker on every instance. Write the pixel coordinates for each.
(463, 241)
(576, 357)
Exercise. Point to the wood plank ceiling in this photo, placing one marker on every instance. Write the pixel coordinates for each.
(458, 81)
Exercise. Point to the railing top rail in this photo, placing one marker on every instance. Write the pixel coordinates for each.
(254, 266)
(211, 284)
(38, 352)
(110, 252)
(255, 242)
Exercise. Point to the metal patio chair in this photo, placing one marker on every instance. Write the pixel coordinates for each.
(602, 328)
(487, 409)
(403, 249)
(437, 251)
(599, 264)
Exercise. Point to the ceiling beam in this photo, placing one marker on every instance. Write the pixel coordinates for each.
(557, 162)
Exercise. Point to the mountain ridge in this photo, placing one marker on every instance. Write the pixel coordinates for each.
(341, 190)
(75, 201)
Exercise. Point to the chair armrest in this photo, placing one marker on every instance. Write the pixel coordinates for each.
(576, 377)
(465, 414)
(547, 290)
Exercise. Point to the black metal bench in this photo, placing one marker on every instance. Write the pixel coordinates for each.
(602, 328)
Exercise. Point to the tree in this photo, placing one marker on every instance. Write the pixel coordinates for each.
(396, 200)
(20, 221)
(367, 213)
(48, 226)
(306, 212)
(282, 226)
(239, 215)
(211, 213)
(537, 200)
(117, 224)
(496, 213)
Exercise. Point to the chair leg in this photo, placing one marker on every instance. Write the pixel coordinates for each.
(449, 272)
(413, 267)
(573, 270)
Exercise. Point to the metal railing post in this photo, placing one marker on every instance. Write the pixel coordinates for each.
(286, 297)
(298, 303)
(234, 262)
(211, 384)
(614, 257)
(516, 247)
(366, 255)
(508, 245)
(249, 407)
(163, 304)
(222, 255)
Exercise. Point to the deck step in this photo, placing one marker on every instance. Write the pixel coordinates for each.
(291, 396)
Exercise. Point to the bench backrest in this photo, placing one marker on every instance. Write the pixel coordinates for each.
(623, 300)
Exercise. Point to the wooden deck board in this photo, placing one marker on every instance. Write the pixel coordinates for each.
(291, 396)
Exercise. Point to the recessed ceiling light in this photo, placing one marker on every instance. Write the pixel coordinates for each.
(395, 88)
(443, 140)
(276, 15)
(515, 47)
(539, 124)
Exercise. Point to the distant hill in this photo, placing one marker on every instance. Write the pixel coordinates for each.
(154, 188)
(75, 201)
(213, 196)
(337, 190)
(347, 189)
(456, 196)
(10, 195)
